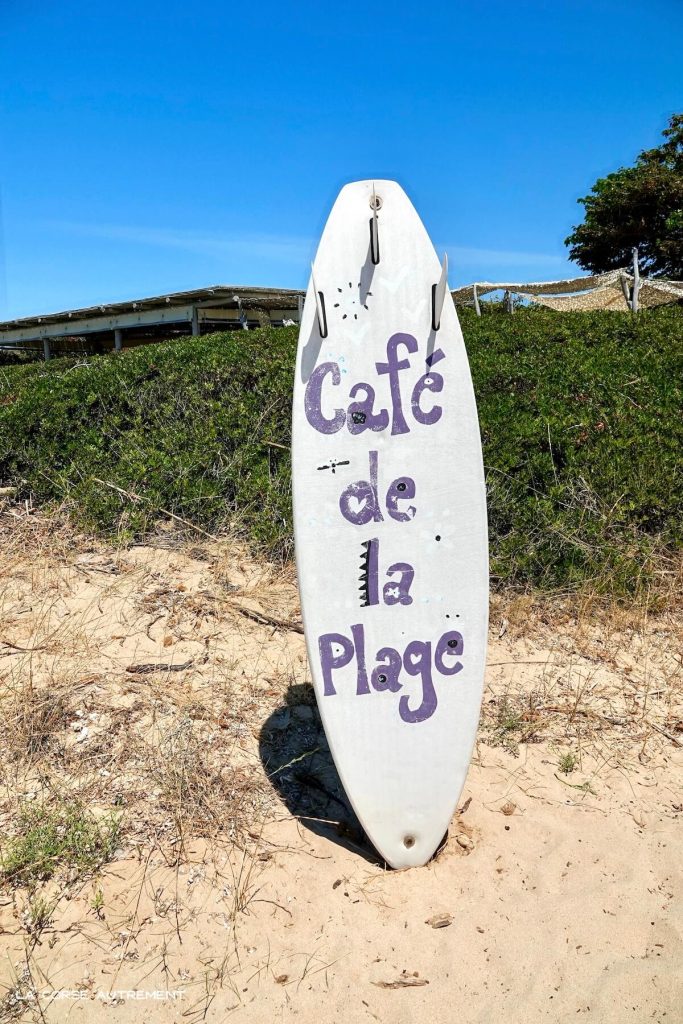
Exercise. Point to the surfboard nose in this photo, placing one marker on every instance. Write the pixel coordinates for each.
(382, 187)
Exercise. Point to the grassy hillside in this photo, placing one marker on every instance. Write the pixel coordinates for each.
(580, 417)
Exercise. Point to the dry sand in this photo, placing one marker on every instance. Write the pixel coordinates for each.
(242, 886)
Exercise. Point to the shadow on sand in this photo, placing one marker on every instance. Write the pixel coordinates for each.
(297, 760)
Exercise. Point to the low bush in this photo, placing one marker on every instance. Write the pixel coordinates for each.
(50, 838)
(580, 416)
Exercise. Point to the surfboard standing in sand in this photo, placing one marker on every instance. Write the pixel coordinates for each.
(390, 520)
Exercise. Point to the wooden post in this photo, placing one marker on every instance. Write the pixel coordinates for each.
(476, 300)
(242, 314)
(118, 339)
(509, 305)
(195, 322)
(636, 281)
(625, 289)
(46, 349)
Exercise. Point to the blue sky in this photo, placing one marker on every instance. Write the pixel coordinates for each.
(151, 147)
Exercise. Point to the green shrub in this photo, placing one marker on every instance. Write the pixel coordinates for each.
(66, 835)
(182, 424)
(15, 376)
(579, 412)
(581, 424)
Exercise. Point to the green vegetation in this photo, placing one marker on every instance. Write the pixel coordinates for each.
(97, 902)
(580, 416)
(567, 763)
(640, 205)
(581, 423)
(508, 724)
(50, 838)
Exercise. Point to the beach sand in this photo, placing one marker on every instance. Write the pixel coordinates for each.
(242, 886)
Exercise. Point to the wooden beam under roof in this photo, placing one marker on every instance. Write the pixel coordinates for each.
(172, 308)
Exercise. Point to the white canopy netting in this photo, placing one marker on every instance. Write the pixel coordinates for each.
(599, 291)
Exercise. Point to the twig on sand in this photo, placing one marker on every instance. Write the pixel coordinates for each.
(132, 496)
(146, 668)
(584, 787)
(16, 647)
(266, 620)
(405, 981)
(515, 661)
(611, 719)
(670, 736)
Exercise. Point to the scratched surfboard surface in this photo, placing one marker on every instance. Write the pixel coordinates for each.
(390, 520)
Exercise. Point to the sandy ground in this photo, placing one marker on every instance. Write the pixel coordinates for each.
(168, 683)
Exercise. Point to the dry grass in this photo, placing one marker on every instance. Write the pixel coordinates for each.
(92, 709)
(87, 722)
(84, 713)
(196, 763)
(610, 683)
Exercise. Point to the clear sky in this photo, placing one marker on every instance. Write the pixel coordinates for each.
(157, 146)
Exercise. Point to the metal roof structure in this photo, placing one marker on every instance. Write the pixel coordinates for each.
(115, 324)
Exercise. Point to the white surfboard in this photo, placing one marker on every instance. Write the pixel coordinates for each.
(390, 520)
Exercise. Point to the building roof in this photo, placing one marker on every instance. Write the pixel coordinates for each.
(227, 306)
(219, 294)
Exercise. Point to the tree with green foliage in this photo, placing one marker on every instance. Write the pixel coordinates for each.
(636, 206)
